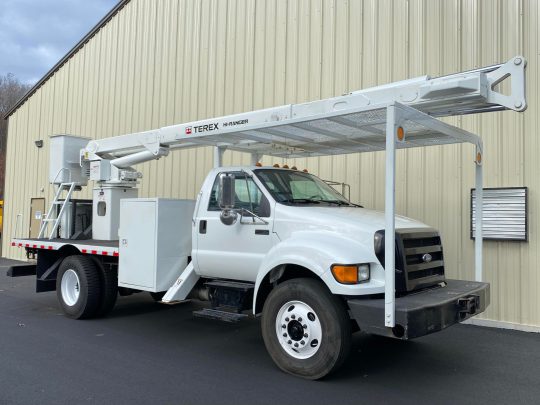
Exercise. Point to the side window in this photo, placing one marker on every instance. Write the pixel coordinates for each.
(248, 196)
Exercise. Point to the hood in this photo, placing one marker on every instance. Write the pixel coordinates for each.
(344, 220)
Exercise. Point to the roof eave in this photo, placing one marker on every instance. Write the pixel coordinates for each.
(73, 51)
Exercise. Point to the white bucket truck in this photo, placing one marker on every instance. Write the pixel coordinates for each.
(275, 242)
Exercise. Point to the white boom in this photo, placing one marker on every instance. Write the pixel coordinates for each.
(457, 94)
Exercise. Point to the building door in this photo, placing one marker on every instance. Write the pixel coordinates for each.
(37, 211)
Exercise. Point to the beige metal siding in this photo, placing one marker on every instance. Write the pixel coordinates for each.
(168, 61)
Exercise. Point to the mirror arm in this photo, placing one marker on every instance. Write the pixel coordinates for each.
(253, 216)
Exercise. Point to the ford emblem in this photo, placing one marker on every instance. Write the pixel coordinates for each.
(427, 258)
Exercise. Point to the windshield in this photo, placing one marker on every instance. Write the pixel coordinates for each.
(294, 187)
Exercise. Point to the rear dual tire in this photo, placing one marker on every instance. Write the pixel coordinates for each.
(85, 289)
(109, 289)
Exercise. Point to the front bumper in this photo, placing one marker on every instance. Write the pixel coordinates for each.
(424, 312)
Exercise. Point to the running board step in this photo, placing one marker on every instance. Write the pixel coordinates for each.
(231, 285)
(219, 315)
(236, 295)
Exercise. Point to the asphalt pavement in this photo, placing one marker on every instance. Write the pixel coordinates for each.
(148, 353)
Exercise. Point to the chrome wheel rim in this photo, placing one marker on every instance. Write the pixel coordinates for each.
(70, 287)
(298, 329)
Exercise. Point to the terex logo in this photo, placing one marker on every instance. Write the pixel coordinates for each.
(202, 128)
(205, 128)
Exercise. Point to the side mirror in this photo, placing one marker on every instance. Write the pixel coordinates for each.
(226, 188)
(227, 193)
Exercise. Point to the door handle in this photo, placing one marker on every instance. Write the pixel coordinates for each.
(262, 232)
(202, 226)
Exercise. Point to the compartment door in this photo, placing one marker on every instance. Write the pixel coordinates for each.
(137, 262)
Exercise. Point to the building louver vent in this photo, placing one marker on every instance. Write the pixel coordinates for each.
(504, 213)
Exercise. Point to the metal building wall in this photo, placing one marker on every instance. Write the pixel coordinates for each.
(159, 62)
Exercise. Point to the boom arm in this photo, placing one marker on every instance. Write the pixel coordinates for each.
(463, 93)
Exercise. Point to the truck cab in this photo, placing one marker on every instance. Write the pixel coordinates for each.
(287, 217)
(284, 229)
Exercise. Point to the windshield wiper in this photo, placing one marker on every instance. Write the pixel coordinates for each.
(318, 201)
(301, 201)
(340, 203)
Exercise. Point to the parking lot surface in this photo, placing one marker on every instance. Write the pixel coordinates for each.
(148, 353)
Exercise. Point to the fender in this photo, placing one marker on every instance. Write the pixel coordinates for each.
(317, 251)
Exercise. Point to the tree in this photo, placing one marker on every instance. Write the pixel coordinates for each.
(11, 90)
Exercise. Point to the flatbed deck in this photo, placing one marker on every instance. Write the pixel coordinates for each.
(86, 246)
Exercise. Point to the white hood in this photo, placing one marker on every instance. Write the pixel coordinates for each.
(344, 220)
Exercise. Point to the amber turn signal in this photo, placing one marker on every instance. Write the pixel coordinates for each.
(345, 274)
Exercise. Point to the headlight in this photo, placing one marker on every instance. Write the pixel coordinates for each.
(363, 272)
(351, 273)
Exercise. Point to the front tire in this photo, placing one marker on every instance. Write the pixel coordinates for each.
(78, 287)
(305, 328)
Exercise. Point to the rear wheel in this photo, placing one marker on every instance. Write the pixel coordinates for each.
(109, 288)
(78, 287)
(305, 328)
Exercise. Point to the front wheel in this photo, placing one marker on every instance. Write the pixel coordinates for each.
(305, 328)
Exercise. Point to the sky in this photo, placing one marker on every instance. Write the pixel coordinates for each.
(36, 34)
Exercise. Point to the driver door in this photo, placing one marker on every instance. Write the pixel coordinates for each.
(234, 251)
